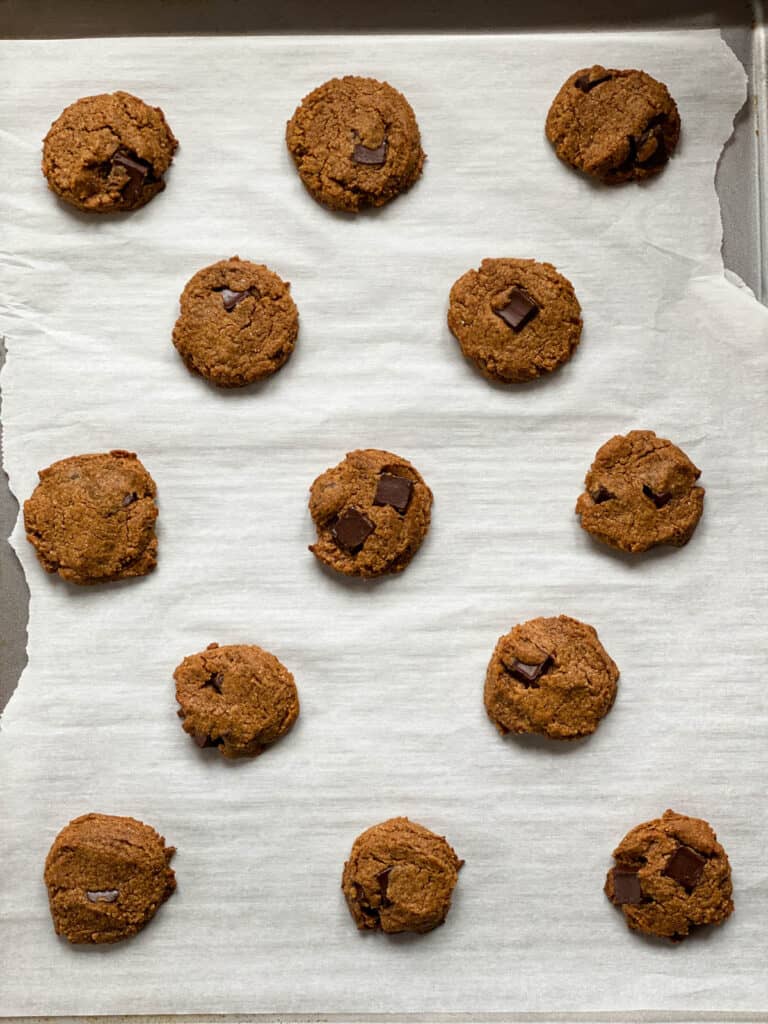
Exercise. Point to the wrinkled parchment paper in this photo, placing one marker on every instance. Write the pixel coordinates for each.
(390, 673)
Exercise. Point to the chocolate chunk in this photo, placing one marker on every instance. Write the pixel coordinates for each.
(373, 157)
(102, 895)
(602, 494)
(383, 881)
(203, 740)
(362, 903)
(519, 311)
(626, 885)
(351, 530)
(650, 148)
(528, 674)
(587, 84)
(137, 174)
(393, 490)
(659, 500)
(214, 681)
(129, 499)
(685, 866)
(230, 299)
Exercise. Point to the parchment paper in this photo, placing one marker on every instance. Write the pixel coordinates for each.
(391, 673)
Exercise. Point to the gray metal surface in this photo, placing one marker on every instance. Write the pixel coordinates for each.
(739, 180)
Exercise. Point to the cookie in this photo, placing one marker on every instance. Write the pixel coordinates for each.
(106, 877)
(641, 491)
(671, 875)
(614, 125)
(400, 878)
(515, 319)
(238, 323)
(355, 143)
(550, 676)
(108, 152)
(372, 512)
(92, 518)
(238, 698)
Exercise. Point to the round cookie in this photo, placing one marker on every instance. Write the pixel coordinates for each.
(641, 491)
(355, 143)
(400, 878)
(671, 875)
(515, 319)
(238, 323)
(550, 676)
(372, 512)
(106, 877)
(238, 698)
(108, 152)
(92, 518)
(614, 125)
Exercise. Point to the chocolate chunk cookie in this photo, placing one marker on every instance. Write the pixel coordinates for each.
(550, 676)
(355, 143)
(106, 877)
(372, 512)
(400, 878)
(108, 152)
(671, 875)
(641, 491)
(614, 125)
(238, 323)
(237, 698)
(92, 518)
(515, 319)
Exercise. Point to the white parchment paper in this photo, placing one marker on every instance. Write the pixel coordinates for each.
(391, 673)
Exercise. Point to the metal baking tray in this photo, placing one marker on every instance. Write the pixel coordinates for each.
(742, 185)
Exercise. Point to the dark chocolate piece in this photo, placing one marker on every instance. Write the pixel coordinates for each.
(351, 530)
(659, 500)
(685, 866)
(383, 881)
(214, 681)
(519, 311)
(650, 148)
(373, 157)
(230, 299)
(602, 494)
(529, 674)
(393, 490)
(129, 499)
(102, 895)
(137, 174)
(626, 885)
(587, 84)
(203, 740)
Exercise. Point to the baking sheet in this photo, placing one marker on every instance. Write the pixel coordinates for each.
(390, 674)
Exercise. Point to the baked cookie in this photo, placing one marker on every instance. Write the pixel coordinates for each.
(238, 323)
(355, 143)
(400, 878)
(372, 512)
(106, 877)
(92, 518)
(238, 698)
(641, 491)
(614, 125)
(550, 676)
(515, 319)
(108, 152)
(671, 875)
